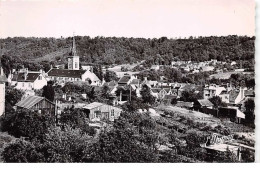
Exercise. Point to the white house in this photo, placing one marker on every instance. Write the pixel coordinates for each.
(212, 90)
(236, 96)
(28, 80)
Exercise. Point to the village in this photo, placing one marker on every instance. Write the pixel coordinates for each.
(218, 108)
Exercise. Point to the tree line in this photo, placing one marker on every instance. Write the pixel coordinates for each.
(113, 50)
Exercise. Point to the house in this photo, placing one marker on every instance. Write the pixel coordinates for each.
(112, 85)
(38, 104)
(168, 99)
(212, 90)
(233, 113)
(249, 93)
(100, 111)
(236, 96)
(149, 83)
(126, 80)
(203, 103)
(28, 80)
(89, 68)
(160, 92)
(3, 80)
(136, 83)
(224, 95)
(188, 87)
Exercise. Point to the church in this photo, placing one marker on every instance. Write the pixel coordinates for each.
(73, 73)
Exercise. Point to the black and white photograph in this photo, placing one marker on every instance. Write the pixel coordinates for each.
(127, 81)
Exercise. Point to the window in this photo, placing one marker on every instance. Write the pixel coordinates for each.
(40, 78)
(76, 65)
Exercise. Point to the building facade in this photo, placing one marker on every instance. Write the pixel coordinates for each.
(38, 104)
(100, 111)
(3, 80)
(28, 80)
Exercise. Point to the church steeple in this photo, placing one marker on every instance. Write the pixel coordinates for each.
(73, 59)
(73, 51)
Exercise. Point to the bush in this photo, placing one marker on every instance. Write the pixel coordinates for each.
(27, 124)
(21, 151)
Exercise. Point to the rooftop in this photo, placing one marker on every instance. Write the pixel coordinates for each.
(29, 78)
(93, 105)
(124, 79)
(30, 101)
(205, 102)
(66, 73)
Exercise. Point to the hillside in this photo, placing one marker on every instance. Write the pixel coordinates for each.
(112, 50)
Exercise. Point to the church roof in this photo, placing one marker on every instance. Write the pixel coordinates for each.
(66, 73)
(73, 51)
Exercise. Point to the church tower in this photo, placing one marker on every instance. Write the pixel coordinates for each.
(3, 80)
(73, 59)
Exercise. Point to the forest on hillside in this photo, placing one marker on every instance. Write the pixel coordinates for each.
(111, 50)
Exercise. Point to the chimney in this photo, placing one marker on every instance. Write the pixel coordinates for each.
(25, 73)
(145, 78)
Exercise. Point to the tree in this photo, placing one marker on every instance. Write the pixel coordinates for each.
(174, 101)
(48, 91)
(21, 151)
(227, 157)
(147, 97)
(105, 92)
(250, 112)
(110, 76)
(76, 119)
(31, 125)
(217, 102)
(98, 71)
(12, 95)
(65, 145)
(120, 145)
(188, 96)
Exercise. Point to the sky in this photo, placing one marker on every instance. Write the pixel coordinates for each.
(126, 18)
